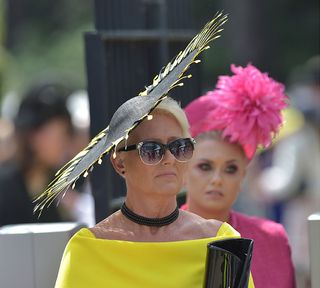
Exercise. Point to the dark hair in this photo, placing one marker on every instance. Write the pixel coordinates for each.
(40, 104)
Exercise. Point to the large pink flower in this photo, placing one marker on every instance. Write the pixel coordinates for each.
(246, 107)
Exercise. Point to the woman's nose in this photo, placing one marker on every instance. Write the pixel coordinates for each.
(216, 178)
(168, 158)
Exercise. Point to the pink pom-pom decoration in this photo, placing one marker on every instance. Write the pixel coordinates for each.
(245, 107)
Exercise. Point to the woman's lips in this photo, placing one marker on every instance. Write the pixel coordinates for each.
(216, 194)
(167, 174)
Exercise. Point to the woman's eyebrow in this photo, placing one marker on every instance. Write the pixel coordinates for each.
(206, 160)
(210, 161)
(232, 161)
(170, 139)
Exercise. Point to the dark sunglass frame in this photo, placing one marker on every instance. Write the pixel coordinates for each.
(164, 148)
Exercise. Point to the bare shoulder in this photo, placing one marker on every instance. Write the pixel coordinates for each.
(189, 226)
(110, 228)
(198, 226)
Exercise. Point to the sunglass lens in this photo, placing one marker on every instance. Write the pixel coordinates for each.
(182, 149)
(151, 153)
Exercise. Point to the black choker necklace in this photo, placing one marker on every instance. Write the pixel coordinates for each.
(157, 222)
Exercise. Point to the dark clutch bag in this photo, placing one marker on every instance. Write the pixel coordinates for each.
(228, 263)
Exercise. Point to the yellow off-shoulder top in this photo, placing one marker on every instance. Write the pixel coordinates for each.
(90, 262)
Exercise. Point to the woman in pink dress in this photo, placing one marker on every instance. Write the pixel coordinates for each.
(228, 123)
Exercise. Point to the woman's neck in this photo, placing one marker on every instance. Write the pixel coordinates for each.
(151, 207)
(36, 180)
(222, 215)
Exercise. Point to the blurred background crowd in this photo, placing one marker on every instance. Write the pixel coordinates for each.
(45, 119)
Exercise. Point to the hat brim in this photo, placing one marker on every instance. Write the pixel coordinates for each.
(131, 113)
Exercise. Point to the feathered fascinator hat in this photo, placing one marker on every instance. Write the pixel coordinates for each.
(245, 107)
(131, 113)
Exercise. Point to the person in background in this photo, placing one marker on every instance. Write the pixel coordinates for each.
(7, 141)
(43, 130)
(229, 123)
(295, 165)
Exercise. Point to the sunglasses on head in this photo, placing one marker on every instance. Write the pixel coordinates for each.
(152, 152)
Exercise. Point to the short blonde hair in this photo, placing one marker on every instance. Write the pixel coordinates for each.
(172, 107)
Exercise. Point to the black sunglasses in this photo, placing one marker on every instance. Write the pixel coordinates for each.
(152, 152)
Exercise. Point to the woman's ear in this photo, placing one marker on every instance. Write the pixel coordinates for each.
(117, 163)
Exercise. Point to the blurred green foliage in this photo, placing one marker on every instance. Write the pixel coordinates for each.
(58, 56)
(44, 40)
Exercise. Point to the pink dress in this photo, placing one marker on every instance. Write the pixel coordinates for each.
(271, 264)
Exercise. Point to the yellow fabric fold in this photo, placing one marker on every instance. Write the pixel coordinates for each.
(91, 262)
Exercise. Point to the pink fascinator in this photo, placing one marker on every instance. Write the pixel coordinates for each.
(245, 107)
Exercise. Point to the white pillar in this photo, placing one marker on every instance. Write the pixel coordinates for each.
(314, 248)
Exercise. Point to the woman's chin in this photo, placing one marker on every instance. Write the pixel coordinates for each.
(169, 189)
(214, 206)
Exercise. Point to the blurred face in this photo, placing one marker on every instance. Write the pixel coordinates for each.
(164, 178)
(214, 176)
(50, 142)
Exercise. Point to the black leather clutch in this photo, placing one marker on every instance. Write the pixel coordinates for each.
(228, 263)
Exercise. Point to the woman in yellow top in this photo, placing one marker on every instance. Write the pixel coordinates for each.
(149, 242)
(125, 250)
